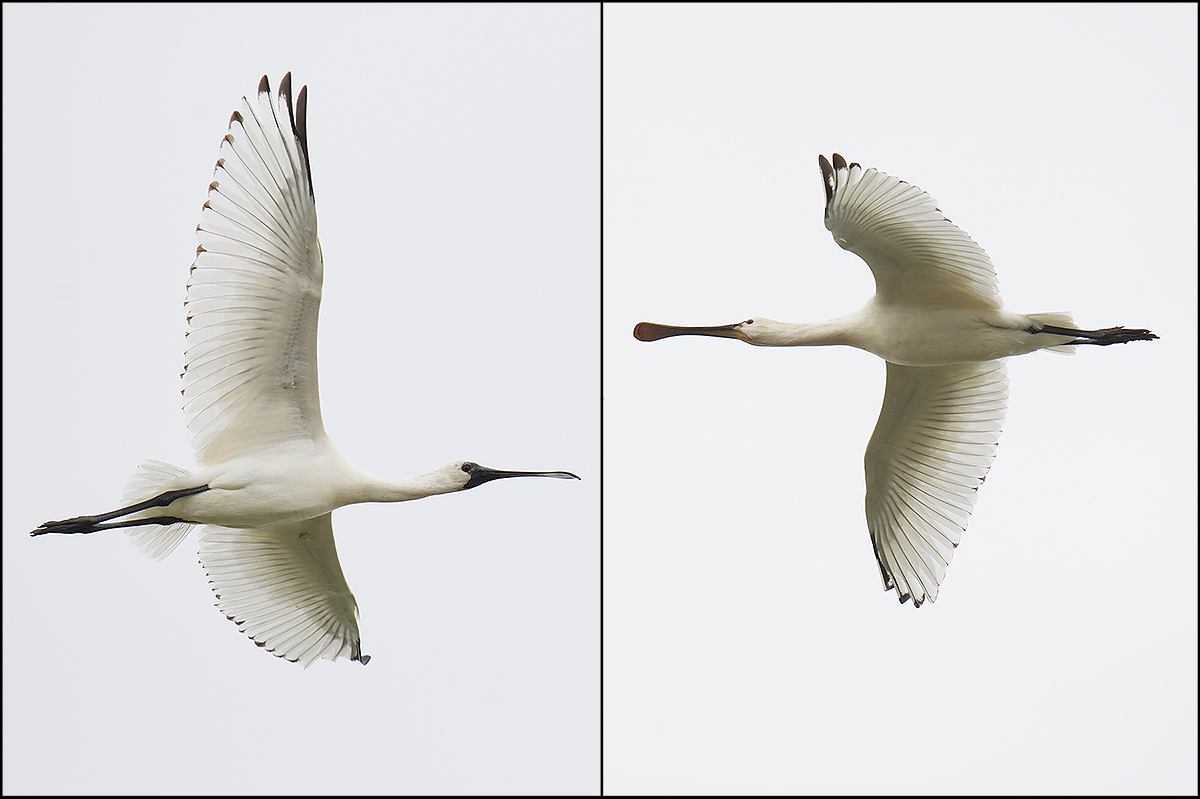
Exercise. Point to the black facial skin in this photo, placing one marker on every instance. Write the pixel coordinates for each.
(482, 474)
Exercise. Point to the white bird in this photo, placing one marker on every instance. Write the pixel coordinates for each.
(938, 321)
(270, 477)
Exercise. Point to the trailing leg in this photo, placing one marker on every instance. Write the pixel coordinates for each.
(1104, 337)
(91, 524)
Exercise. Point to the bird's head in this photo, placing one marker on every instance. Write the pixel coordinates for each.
(759, 331)
(465, 474)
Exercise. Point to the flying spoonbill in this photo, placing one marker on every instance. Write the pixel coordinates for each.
(269, 476)
(938, 321)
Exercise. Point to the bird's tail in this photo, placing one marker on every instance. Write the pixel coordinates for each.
(1062, 319)
(151, 479)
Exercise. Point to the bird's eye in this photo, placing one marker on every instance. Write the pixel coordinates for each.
(469, 467)
(748, 322)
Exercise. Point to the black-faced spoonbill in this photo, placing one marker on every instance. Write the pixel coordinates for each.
(270, 477)
(938, 321)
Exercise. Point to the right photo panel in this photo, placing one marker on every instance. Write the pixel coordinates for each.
(899, 412)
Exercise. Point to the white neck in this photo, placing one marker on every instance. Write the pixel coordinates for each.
(769, 333)
(377, 489)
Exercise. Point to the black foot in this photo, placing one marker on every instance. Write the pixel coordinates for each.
(78, 524)
(90, 524)
(1103, 337)
(1114, 335)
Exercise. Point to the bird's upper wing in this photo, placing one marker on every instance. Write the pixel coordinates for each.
(283, 586)
(250, 369)
(931, 449)
(918, 256)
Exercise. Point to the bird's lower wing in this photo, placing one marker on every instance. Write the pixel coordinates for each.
(931, 449)
(283, 586)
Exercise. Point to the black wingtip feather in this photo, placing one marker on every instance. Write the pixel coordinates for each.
(264, 86)
(298, 119)
(827, 178)
(838, 161)
(302, 131)
(285, 94)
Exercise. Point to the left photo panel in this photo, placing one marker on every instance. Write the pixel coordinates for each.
(195, 574)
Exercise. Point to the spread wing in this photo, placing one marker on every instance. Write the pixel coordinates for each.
(283, 586)
(250, 369)
(918, 256)
(931, 449)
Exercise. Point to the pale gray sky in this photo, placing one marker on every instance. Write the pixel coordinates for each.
(749, 646)
(455, 158)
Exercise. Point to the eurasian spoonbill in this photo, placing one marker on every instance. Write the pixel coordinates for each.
(270, 477)
(938, 321)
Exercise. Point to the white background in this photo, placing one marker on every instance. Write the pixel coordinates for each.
(455, 158)
(748, 644)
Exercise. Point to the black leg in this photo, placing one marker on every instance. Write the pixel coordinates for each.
(90, 524)
(1104, 337)
(81, 527)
